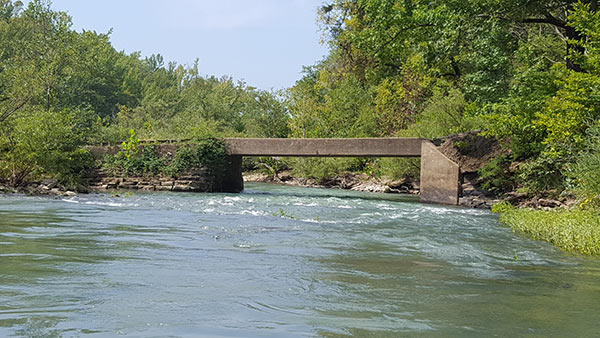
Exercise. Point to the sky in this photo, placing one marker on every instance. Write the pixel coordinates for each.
(262, 42)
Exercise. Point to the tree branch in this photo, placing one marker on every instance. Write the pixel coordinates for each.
(9, 112)
(548, 19)
(397, 34)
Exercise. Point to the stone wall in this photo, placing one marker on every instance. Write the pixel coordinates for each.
(196, 180)
(193, 181)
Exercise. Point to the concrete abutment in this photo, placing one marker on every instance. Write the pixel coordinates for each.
(440, 176)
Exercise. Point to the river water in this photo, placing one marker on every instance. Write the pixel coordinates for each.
(281, 262)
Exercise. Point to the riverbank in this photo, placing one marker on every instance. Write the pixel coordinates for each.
(42, 187)
(347, 181)
(572, 230)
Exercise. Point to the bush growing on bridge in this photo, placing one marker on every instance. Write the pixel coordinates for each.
(209, 153)
(134, 160)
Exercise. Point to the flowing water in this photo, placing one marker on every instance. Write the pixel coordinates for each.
(281, 262)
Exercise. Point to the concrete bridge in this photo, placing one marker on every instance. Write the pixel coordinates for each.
(440, 176)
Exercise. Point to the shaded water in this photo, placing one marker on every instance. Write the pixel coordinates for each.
(281, 261)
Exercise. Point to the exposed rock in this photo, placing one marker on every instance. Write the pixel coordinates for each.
(371, 187)
(480, 202)
(514, 197)
(49, 183)
(549, 203)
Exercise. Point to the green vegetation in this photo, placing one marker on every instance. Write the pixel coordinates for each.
(135, 160)
(210, 153)
(524, 72)
(570, 230)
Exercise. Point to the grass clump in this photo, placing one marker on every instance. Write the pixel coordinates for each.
(574, 230)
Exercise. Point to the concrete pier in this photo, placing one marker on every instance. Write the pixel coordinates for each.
(232, 180)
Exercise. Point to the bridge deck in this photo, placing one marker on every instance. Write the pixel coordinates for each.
(325, 147)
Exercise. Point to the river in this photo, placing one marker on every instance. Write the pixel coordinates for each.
(280, 261)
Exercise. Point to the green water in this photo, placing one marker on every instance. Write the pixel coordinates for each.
(281, 262)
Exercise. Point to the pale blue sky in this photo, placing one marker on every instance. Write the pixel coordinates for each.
(264, 42)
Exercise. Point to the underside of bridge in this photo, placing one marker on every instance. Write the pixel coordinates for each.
(440, 176)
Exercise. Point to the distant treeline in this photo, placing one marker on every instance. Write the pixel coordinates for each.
(61, 89)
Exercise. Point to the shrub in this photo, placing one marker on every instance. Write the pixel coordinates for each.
(140, 161)
(395, 168)
(320, 169)
(496, 175)
(144, 162)
(542, 174)
(585, 173)
(210, 153)
(42, 143)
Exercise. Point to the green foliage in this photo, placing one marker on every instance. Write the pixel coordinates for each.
(100, 95)
(587, 21)
(570, 230)
(142, 162)
(585, 173)
(496, 176)
(502, 207)
(320, 169)
(500, 66)
(527, 72)
(134, 160)
(399, 99)
(270, 165)
(209, 153)
(130, 148)
(543, 173)
(445, 113)
(42, 143)
(394, 168)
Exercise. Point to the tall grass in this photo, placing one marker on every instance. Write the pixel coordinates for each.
(572, 230)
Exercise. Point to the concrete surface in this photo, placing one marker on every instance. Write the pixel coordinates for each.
(232, 180)
(439, 176)
(325, 147)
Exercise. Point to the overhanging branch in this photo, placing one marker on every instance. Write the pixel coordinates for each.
(9, 112)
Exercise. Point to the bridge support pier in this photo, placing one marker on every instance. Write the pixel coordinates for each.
(440, 176)
(232, 180)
